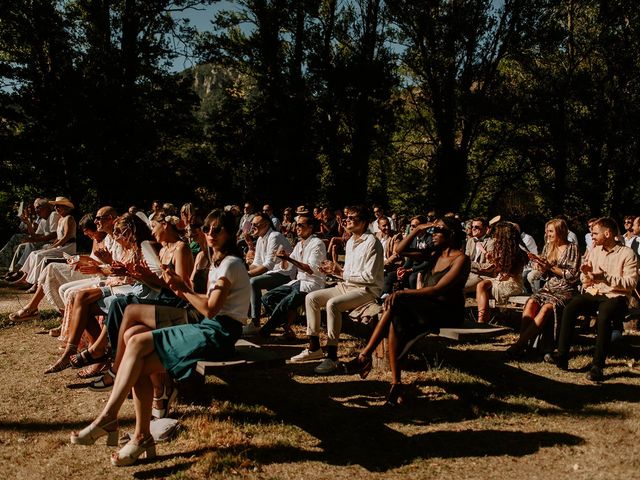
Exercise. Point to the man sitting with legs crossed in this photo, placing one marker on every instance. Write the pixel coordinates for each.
(361, 282)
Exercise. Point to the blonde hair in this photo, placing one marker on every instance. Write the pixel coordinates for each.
(562, 231)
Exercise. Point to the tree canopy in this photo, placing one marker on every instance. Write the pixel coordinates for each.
(476, 106)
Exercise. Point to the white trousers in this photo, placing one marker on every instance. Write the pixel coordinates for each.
(337, 299)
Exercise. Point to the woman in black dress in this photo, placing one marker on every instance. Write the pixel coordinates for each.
(409, 313)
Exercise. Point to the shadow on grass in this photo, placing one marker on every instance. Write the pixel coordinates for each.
(509, 379)
(351, 424)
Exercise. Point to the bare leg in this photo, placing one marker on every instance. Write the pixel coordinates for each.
(137, 319)
(483, 294)
(142, 399)
(530, 310)
(138, 360)
(378, 333)
(134, 315)
(84, 310)
(36, 299)
(394, 364)
(534, 327)
(99, 347)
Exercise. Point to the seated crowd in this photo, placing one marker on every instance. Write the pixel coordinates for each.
(160, 292)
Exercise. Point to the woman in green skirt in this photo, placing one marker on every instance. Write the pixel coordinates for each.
(176, 350)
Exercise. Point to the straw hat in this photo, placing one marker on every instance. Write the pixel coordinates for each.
(302, 209)
(494, 220)
(64, 201)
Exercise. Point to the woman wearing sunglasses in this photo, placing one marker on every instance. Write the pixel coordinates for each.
(439, 302)
(176, 350)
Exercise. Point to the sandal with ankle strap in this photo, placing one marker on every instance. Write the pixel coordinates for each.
(129, 454)
(89, 435)
(167, 398)
(84, 359)
(92, 371)
(100, 385)
(24, 314)
(61, 364)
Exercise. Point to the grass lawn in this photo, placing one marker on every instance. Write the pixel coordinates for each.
(470, 415)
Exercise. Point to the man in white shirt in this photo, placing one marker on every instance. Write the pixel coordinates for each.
(44, 231)
(266, 270)
(378, 212)
(282, 302)
(361, 282)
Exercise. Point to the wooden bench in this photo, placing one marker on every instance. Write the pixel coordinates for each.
(468, 332)
(248, 355)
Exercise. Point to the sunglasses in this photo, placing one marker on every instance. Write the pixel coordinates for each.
(208, 229)
(302, 224)
(433, 230)
(475, 227)
(256, 225)
(99, 218)
(353, 218)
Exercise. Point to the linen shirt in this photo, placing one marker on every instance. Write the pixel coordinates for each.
(266, 248)
(620, 268)
(364, 263)
(478, 255)
(313, 252)
(48, 225)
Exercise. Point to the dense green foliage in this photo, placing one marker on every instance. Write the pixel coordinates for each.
(478, 106)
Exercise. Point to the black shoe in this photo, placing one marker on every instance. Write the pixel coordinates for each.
(395, 397)
(595, 374)
(560, 361)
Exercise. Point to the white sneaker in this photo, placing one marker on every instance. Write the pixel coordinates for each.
(306, 355)
(327, 366)
(249, 330)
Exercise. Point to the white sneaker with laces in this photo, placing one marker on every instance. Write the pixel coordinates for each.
(327, 366)
(307, 355)
(250, 329)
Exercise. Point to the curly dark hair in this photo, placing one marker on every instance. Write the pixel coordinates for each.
(507, 255)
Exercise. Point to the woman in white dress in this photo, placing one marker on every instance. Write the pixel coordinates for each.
(65, 243)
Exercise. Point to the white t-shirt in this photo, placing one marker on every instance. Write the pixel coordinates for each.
(237, 303)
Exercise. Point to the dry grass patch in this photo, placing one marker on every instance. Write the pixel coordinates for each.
(471, 415)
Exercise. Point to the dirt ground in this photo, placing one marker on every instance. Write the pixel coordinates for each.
(470, 415)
